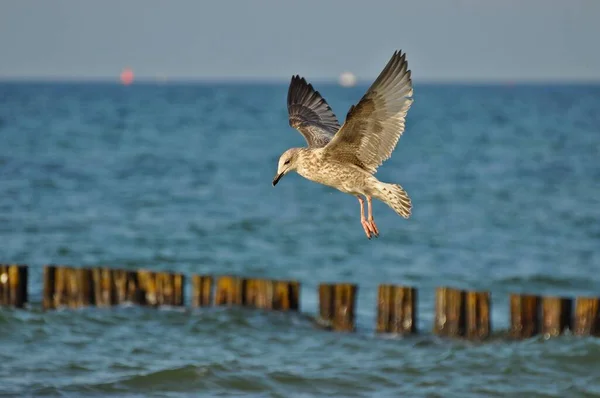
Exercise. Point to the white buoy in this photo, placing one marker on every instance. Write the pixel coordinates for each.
(347, 79)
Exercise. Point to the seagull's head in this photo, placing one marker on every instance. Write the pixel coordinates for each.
(287, 163)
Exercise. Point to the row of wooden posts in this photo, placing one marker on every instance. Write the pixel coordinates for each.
(458, 313)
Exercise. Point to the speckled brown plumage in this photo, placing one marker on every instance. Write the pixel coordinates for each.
(347, 157)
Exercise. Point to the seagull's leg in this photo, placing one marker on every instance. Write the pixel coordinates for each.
(370, 221)
(363, 221)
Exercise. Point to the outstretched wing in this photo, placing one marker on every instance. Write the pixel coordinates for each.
(374, 125)
(310, 114)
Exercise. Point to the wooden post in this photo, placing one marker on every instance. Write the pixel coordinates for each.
(524, 315)
(97, 281)
(86, 283)
(326, 305)
(150, 288)
(159, 283)
(281, 295)
(13, 285)
(178, 289)
(455, 313)
(61, 290)
(439, 323)
(336, 306)
(229, 291)
(164, 283)
(285, 295)
(104, 287)
(153, 291)
(147, 283)
(168, 290)
(135, 295)
(108, 287)
(586, 320)
(556, 315)
(49, 287)
(294, 295)
(384, 308)
(396, 309)
(478, 325)
(24, 272)
(264, 298)
(4, 287)
(345, 300)
(18, 276)
(201, 290)
(120, 282)
(250, 292)
(72, 287)
(450, 312)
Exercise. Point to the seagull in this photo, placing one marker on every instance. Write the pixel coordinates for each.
(347, 157)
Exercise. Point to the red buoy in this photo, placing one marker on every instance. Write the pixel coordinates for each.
(127, 76)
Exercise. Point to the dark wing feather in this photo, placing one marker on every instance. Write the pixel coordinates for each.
(374, 125)
(310, 114)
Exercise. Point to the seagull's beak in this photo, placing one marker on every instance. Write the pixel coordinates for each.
(277, 178)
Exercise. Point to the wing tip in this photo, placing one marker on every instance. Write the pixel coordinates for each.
(396, 71)
(302, 94)
(299, 89)
(297, 79)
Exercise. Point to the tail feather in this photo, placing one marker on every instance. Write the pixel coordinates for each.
(396, 197)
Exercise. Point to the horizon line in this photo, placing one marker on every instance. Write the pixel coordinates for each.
(262, 80)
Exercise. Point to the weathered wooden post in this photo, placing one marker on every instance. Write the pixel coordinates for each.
(97, 281)
(120, 282)
(72, 288)
(336, 306)
(285, 295)
(326, 307)
(250, 292)
(556, 315)
(295, 295)
(159, 283)
(4, 287)
(478, 324)
(164, 281)
(450, 313)
(281, 295)
(229, 291)
(201, 290)
(344, 303)
(396, 309)
(586, 320)
(384, 308)
(49, 287)
(178, 281)
(524, 315)
(61, 290)
(104, 287)
(108, 287)
(135, 295)
(13, 285)
(147, 284)
(86, 286)
(17, 278)
(264, 298)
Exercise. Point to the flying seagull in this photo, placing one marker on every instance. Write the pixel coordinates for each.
(347, 157)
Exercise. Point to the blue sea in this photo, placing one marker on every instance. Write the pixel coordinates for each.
(505, 185)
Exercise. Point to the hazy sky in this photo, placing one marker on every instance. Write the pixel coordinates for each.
(444, 39)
